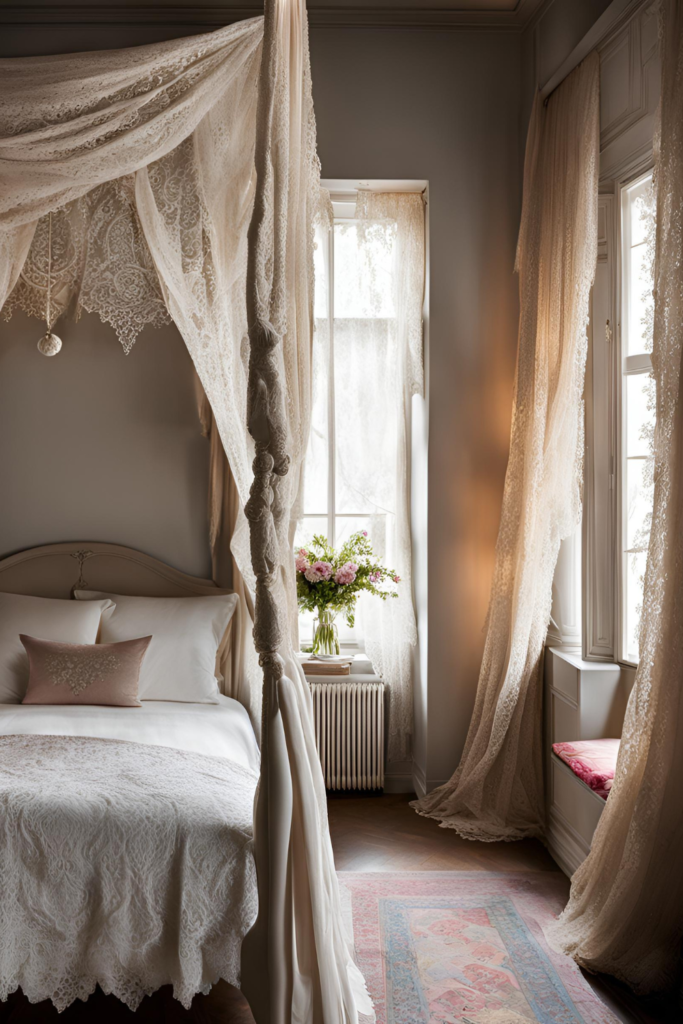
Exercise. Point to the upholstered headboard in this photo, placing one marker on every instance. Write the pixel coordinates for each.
(56, 570)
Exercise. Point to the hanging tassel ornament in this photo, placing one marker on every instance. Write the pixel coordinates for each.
(49, 344)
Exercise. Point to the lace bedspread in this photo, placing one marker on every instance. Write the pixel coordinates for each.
(123, 865)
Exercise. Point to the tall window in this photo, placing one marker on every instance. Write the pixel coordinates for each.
(353, 422)
(637, 403)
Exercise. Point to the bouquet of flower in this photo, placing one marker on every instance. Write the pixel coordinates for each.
(329, 582)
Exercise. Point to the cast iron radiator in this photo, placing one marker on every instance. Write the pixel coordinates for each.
(349, 733)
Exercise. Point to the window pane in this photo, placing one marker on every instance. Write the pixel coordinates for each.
(638, 504)
(638, 264)
(345, 526)
(640, 414)
(304, 535)
(365, 415)
(639, 410)
(640, 300)
(317, 455)
(363, 269)
(633, 601)
(320, 267)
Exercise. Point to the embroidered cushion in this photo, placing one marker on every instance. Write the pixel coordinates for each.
(50, 618)
(594, 761)
(188, 634)
(84, 673)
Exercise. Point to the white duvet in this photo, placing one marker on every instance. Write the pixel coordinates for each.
(223, 729)
(125, 848)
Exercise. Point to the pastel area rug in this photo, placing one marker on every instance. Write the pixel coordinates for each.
(452, 947)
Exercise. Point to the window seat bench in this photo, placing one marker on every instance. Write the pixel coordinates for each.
(592, 761)
(584, 704)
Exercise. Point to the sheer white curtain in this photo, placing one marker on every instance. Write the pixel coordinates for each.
(497, 790)
(379, 357)
(625, 912)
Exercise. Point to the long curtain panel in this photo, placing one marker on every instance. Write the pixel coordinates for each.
(378, 369)
(625, 912)
(497, 790)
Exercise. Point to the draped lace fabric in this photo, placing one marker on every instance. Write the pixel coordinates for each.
(625, 912)
(497, 790)
(99, 877)
(383, 357)
(98, 260)
(195, 160)
(308, 969)
(145, 157)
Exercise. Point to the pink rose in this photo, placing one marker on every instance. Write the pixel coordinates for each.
(375, 577)
(324, 568)
(311, 575)
(346, 573)
(365, 533)
(396, 579)
(301, 560)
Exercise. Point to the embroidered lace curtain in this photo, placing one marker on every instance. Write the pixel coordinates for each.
(497, 790)
(382, 358)
(625, 912)
(141, 164)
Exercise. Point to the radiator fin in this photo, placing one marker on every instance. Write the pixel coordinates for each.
(349, 733)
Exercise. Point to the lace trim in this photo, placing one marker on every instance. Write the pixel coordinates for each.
(100, 262)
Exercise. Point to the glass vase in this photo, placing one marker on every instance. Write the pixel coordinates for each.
(325, 637)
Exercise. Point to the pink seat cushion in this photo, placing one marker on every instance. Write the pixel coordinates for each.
(594, 761)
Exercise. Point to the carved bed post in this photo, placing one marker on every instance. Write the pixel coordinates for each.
(266, 951)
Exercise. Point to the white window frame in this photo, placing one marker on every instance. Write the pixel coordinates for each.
(607, 367)
(626, 366)
(343, 194)
(344, 207)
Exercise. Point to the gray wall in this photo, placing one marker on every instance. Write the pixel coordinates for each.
(97, 445)
(444, 106)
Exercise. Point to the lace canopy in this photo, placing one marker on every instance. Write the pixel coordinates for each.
(180, 180)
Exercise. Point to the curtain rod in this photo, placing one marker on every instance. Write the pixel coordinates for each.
(613, 19)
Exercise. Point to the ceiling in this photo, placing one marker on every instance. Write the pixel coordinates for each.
(500, 14)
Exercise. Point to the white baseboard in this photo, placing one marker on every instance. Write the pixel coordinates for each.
(566, 846)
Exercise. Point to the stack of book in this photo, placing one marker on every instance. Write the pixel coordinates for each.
(327, 668)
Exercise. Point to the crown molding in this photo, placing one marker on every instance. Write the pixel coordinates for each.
(208, 16)
(613, 19)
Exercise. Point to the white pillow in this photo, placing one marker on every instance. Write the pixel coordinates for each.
(187, 632)
(47, 618)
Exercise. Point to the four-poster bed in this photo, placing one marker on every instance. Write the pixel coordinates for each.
(181, 180)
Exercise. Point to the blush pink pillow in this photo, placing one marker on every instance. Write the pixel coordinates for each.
(84, 673)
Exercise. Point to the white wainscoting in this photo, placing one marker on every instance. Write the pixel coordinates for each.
(584, 700)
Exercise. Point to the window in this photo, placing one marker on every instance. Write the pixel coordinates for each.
(353, 422)
(637, 403)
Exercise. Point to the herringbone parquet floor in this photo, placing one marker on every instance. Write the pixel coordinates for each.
(369, 833)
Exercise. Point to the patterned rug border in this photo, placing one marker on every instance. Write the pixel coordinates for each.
(384, 946)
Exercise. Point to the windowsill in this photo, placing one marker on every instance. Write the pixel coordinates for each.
(361, 666)
(574, 658)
